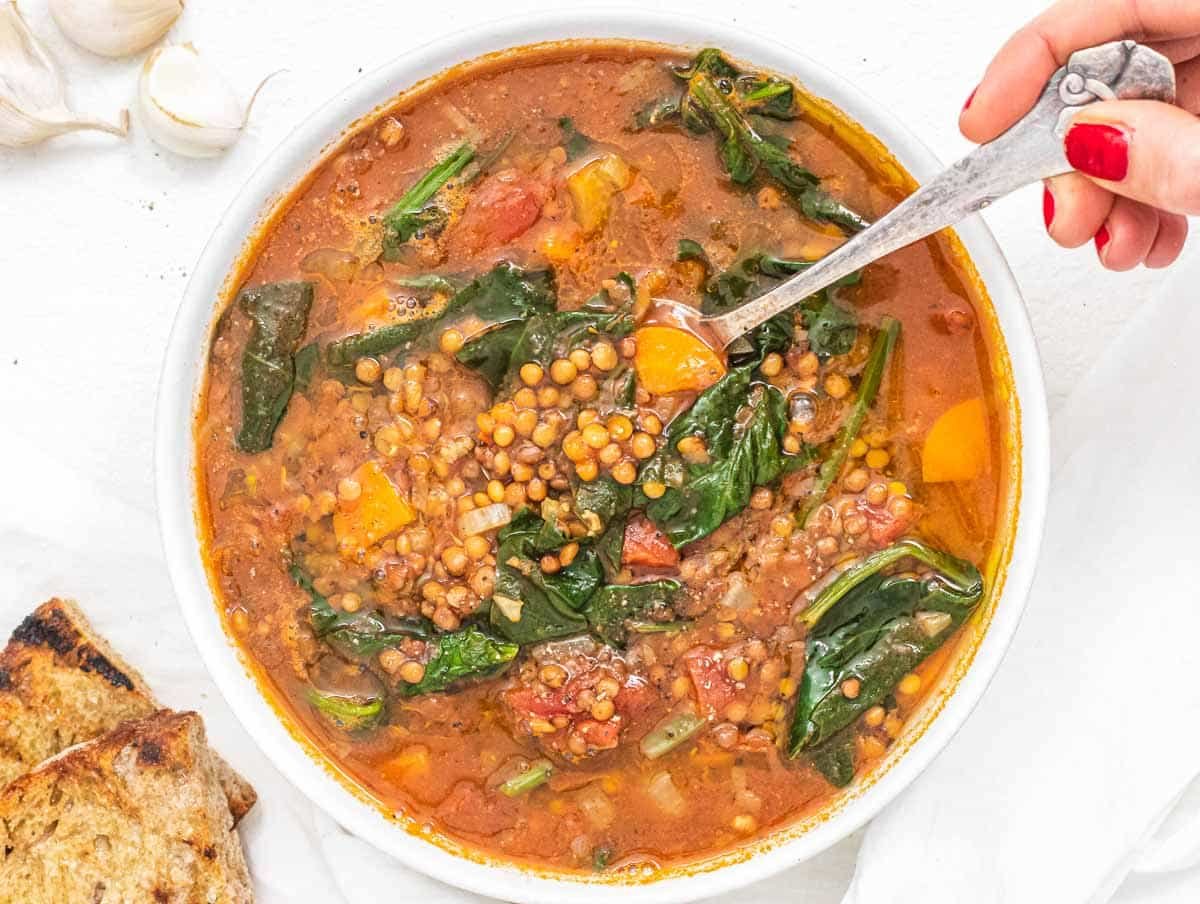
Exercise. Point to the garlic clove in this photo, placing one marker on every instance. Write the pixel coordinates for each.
(32, 91)
(115, 28)
(187, 106)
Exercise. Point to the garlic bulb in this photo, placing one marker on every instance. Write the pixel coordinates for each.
(187, 106)
(32, 92)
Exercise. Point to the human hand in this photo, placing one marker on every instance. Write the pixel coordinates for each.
(1138, 161)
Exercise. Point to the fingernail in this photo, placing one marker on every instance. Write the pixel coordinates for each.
(1047, 207)
(1098, 150)
(969, 99)
(1102, 238)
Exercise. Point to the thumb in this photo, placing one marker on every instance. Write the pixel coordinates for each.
(1145, 150)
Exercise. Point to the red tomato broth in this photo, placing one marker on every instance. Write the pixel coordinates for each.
(464, 734)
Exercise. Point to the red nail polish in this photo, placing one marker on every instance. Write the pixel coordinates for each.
(1102, 238)
(969, 99)
(1047, 207)
(1098, 150)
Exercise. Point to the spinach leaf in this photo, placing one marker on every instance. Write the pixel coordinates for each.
(604, 504)
(347, 713)
(876, 629)
(574, 599)
(831, 328)
(470, 652)
(574, 142)
(413, 215)
(550, 605)
(614, 604)
(279, 312)
(689, 250)
(540, 336)
(868, 389)
(307, 361)
(717, 97)
(834, 758)
(496, 302)
(357, 635)
(744, 450)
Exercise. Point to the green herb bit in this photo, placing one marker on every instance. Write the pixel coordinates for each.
(574, 142)
(347, 713)
(868, 389)
(669, 734)
(412, 214)
(537, 774)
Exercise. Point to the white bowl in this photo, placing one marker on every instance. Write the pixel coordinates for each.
(176, 484)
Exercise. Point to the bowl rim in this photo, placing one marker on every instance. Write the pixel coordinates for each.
(181, 379)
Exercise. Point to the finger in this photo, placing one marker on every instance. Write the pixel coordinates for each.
(1142, 149)
(1187, 86)
(1172, 233)
(1074, 208)
(1127, 235)
(1015, 78)
(1177, 50)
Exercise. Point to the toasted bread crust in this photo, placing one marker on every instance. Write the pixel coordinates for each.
(135, 815)
(62, 684)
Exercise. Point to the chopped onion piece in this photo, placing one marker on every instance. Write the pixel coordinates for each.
(663, 792)
(509, 606)
(597, 807)
(337, 265)
(481, 520)
(738, 596)
(933, 623)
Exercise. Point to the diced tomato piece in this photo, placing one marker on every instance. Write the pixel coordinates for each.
(503, 207)
(646, 545)
(524, 702)
(600, 735)
(714, 687)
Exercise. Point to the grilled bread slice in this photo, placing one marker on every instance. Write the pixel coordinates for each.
(135, 815)
(61, 684)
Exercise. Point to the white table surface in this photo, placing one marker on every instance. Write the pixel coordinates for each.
(98, 236)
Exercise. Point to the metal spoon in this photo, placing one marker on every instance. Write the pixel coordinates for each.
(1029, 151)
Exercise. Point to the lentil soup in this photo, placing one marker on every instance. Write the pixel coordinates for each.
(566, 586)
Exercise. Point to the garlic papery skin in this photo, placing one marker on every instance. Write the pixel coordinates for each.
(115, 28)
(186, 105)
(32, 91)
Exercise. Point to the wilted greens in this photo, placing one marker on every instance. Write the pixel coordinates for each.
(413, 215)
(470, 652)
(740, 451)
(497, 302)
(279, 312)
(868, 389)
(357, 635)
(718, 97)
(573, 600)
(875, 628)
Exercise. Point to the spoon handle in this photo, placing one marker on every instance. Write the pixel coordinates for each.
(1029, 151)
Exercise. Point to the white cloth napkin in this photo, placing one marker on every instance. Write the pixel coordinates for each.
(1058, 785)
(1052, 791)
